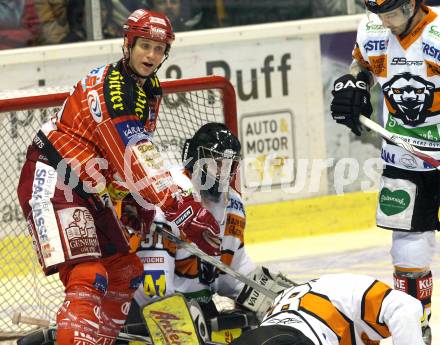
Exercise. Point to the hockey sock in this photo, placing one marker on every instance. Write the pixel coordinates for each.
(125, 275)
(417, 284)
(78, 317)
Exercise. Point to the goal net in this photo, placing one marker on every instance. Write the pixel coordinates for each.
(187, 104)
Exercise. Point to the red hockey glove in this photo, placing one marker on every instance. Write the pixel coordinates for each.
(196, 224)
(138, 220)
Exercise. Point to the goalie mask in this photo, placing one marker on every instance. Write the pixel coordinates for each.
(212, 156)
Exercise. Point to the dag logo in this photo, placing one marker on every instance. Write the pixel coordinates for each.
(411, 96)
(94, 105)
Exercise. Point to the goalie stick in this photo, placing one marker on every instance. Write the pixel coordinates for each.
(18, 318)
(213, 261)
(395, 139)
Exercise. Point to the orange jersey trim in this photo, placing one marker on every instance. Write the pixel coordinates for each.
(187, 267)
(235, 226)
(372, 305)
(357, 55)
(432, 69)
(322, 308)
(227, 257)
(418, 29)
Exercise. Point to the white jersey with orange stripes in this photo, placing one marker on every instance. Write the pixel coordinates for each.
(230, 214)
(408, 71)
(348, 309)
(168, 269)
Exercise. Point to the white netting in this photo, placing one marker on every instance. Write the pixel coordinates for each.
(23, 287)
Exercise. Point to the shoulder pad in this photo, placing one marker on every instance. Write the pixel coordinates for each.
(181, 179)
(235, 203)
(116, 91)
(94, 77)
(371, 27)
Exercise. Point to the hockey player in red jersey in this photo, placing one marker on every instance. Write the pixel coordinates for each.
(99, 148)
(397, 47)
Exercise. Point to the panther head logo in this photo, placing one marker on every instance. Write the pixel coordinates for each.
(411, 96)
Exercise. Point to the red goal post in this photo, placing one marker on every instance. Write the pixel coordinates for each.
(187, 104)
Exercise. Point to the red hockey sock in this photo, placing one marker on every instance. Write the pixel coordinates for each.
(78, 317)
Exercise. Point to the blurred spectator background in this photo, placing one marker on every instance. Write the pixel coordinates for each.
(38, 22)
(323, 8)
(432, 2)
(18, 24)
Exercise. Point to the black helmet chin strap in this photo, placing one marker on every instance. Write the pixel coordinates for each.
(160, 65)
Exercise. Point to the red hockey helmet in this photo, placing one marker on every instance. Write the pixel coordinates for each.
(150, 25)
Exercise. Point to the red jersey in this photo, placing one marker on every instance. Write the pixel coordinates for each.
(104, 133)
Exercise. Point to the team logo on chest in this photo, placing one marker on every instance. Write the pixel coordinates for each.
(410, 96)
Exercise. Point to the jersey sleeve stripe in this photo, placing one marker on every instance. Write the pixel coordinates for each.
(371, 307)
(320, 307)
(357, 55)
(227, 257)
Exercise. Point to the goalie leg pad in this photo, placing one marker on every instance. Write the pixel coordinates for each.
(169, 321)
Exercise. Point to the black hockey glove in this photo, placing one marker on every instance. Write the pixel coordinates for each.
(351, 98)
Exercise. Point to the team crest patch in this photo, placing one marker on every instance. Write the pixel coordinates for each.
(79, 232)
(410, 96)
(94, 105)
(393, 202)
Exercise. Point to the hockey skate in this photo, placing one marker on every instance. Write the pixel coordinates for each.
(426, 334)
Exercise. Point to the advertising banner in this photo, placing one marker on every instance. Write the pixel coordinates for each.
(277, 71)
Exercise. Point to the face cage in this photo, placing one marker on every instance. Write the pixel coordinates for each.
(231, 158)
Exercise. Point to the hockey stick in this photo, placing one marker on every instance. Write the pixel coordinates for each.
(17, 318)
(395, 139)
(215, 262)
